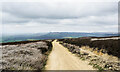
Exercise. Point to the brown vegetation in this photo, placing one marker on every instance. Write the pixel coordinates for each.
(25, 55)
(101, 54)
(109, 46)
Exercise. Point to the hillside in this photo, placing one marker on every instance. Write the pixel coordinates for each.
(25, 55)
(52, 35)
(110, 45)
(101, 52)
(59, 35)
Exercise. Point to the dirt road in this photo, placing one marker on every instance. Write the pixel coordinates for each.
(61, 59)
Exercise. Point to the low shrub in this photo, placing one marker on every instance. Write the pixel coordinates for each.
(110, 46)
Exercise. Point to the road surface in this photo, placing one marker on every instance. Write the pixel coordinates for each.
(61, 59)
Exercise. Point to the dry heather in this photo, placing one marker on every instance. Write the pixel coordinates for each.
(29, 56)
(96, 52)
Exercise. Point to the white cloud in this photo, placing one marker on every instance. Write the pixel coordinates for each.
(59, 0)
(59, 10)
(0, 21)
(61, 15)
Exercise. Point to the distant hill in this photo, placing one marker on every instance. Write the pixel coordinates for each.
(52, 35)
(20, 37)
(59, 35)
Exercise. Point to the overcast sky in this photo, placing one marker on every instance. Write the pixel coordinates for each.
(59, 16)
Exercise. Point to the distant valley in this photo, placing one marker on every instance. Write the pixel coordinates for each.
(52, 35)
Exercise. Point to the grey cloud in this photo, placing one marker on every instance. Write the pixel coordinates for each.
(11, 19)
(47, 21)
(59, 10)
(61, 16)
